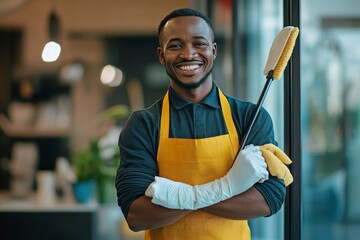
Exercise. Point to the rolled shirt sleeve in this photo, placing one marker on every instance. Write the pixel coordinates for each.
(138, 166)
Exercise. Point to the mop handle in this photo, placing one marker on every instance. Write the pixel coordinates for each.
(256, 111)
(269, 80)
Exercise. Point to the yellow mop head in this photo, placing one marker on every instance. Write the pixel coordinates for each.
(280, 51)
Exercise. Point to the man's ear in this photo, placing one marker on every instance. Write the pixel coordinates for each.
(160, 55)
(214, 49)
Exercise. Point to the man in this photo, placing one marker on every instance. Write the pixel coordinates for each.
(179, 176)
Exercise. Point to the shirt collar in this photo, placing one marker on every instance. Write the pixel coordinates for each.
(179, 102)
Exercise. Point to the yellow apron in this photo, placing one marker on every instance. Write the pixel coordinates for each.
(198, 161)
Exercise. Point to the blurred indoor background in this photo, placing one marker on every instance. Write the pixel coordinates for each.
(62, 106)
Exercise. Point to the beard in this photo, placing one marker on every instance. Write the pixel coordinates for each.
(189, 86)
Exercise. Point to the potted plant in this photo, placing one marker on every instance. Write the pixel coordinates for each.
(110, 160)
(109, 151)
(95, 167)
(86, 166)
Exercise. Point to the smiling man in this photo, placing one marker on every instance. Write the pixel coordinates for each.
(187, 52)
(180, 177)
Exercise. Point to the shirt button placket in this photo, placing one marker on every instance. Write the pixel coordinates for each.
(199, 116)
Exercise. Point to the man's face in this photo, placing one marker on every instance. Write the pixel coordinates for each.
(187, 50)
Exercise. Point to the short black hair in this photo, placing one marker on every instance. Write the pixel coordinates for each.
(182, 12)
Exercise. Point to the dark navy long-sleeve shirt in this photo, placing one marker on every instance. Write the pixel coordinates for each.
(138, 141)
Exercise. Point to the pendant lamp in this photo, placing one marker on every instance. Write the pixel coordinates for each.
(52, 49)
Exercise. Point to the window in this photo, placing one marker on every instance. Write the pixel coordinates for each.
(244, 46)
(330, 87)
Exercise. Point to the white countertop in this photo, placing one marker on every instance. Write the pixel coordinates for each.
(9, 203)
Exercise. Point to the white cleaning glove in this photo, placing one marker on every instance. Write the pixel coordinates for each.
(249, 168)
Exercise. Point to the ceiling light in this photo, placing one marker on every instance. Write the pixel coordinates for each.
(111, 76)
(52, 49)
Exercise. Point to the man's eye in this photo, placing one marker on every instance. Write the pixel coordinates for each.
(200, 44)
(175, 46)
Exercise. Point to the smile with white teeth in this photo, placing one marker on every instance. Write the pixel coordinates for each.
(189, 67)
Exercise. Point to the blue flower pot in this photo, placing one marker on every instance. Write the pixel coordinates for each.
(84, 191)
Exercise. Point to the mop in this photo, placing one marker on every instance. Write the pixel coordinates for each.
(279, 55)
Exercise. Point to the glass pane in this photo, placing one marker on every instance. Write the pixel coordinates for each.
(264, 21)
(330, 58)
(261, 22)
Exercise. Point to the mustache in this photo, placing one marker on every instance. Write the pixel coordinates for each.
(196, 60)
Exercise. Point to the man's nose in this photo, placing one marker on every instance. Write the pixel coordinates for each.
(188, 52)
